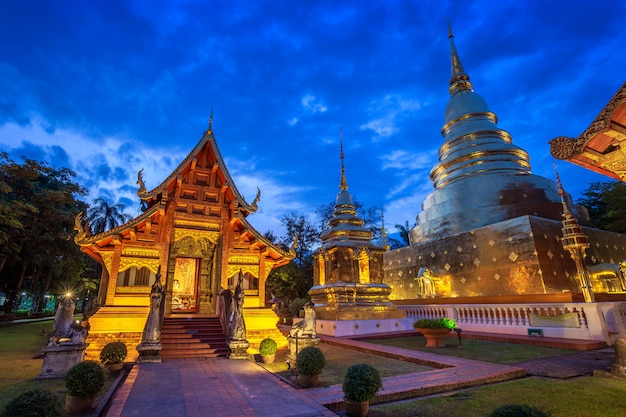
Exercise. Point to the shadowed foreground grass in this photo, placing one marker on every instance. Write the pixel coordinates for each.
(577, 397)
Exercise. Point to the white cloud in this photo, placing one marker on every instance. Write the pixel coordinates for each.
(394, 108)
(312, 105)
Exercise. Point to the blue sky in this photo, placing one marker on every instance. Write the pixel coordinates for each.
(107, 88)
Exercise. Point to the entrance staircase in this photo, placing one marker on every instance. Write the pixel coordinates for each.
(200, 337)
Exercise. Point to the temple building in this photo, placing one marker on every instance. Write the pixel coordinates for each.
(348, 291)
(193, 228)
(599, 147)
(490, 227)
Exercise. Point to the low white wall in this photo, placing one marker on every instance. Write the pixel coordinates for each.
(596, 321)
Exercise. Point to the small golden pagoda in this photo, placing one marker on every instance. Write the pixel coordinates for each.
(194, 228)
(348, 270)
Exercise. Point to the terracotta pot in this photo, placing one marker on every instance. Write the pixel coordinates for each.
(113, 368)
(75, 405)
(434, 337)
(356, 409)
(307, 381)
(268, 358)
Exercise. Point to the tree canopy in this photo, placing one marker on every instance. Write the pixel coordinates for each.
(38, 206)
(606, 203)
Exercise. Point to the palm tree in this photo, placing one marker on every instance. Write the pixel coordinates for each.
(404, 231)
(103, 215)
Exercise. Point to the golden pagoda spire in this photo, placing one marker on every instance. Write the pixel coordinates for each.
(460, 81)
(576, 242)
(343, 186)
(383, 233)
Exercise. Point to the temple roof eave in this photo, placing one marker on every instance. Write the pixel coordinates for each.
(278, 252)
(601, 147)
(83, 240)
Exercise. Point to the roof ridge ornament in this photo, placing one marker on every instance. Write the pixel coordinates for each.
(460, 80)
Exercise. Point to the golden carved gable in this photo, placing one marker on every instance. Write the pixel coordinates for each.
(150, 263)
(196, 234)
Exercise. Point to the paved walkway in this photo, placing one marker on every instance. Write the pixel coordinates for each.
(222, 387)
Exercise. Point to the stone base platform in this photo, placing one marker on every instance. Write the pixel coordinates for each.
(338, 328)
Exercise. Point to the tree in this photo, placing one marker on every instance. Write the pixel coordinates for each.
(404, 231)
(103, 215)
(371, 216)
(606, 203)
(40, 202)
(308, 235)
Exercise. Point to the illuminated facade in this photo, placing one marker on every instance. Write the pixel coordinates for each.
(194, 228)
(490, 228)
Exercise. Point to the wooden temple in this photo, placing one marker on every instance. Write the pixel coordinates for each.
(602, 146)
(194, 229)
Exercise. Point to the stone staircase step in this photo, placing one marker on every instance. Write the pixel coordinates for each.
(192, 338)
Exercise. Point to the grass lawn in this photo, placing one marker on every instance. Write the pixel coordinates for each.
(338, 360)
(577, 397)
(482, 350)
(20, 362)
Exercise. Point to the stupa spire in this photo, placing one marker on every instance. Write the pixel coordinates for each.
(343, 185)
(460, 81)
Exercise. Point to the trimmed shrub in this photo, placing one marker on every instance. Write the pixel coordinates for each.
(515, 410)
(267, 347)
(310, 361)
(444, 323)
(85, 379)
(113, 352)
(361, 383)
(35, 403)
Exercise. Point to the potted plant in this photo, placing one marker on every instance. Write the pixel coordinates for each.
(434, 330)
(83, 381)
(268, 348)
(309, 363)
(360, 385)
(112, 356)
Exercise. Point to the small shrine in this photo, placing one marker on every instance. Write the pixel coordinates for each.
(349, 294)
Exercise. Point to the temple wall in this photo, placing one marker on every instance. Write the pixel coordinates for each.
(514, 257)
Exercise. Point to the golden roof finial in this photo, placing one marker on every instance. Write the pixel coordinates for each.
(343, 185)
(210, 129)
(459, 81)
(383, 232)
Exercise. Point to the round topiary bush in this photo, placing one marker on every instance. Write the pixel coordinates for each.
(310, 361)
(85, 379)
(113, 352)
(267, 347)
(35, 403)
(444, 323)
(515, 410)
(361, 383)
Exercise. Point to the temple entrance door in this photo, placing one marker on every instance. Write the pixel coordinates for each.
(185, 288)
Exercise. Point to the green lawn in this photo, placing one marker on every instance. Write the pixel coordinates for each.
(495, 352)
(577, 397)
(338, 360)
(20, 362)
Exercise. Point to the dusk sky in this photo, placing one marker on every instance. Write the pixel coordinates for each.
(107, 88)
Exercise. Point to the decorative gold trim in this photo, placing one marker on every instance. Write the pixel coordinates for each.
(185, 224)
(243, 260)
(140, 253)
(127, 262)
(196, 234)
(252, 269)
(107, 260)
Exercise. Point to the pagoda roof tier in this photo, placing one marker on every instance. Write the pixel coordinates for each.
(601, 147)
